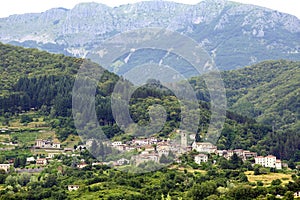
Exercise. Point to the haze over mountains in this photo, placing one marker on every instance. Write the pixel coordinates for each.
(234, 34)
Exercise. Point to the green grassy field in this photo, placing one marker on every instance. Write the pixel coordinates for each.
(24, 138)
(266, 179)
(71, 141)
(4, 138)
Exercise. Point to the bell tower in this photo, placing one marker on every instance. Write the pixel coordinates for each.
(183, 135)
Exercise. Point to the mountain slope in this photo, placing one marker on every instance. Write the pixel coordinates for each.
(234, 34)
(268, 91)
(19, 62)
(271, 92)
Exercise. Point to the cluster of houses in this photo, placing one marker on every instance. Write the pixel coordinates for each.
(38, 161)
(208, 148)
(151, 149)
(52, 149)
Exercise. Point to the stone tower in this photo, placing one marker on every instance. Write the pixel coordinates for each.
(183, 135)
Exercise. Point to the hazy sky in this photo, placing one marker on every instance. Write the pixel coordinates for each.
(28, 6)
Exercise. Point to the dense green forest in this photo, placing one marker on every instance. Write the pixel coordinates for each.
(37, 80)
(268, 92)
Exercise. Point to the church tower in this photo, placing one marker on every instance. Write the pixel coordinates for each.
(183, 135)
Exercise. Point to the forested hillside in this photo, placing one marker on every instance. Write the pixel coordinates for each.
(20, 62)
(268, 92)
(40, 81)
(43, 82)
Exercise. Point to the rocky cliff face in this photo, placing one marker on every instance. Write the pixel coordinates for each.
(235, 34)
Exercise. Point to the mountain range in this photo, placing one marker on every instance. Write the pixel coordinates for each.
(234, 34)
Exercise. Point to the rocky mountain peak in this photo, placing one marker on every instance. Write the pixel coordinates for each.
(226, 29)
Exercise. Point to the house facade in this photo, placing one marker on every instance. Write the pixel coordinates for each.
(5, 167)
(260, 160)
(249, 154)
(47, 144)
(204, 147)
(163, 150)
(41, 161)
(145, 158)
(52, 155)
(73, 187)
(123, 161)
(140, 142)
(278, 164)
(30, 159)
(268, 161)
(200, 158)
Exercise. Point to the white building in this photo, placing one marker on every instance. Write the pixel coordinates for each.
(5, 167)
(116, 143)
(268, 161)
(97, 163)
(56, 145)
(201, 158)
(260, 160)
(153, 140)
(52, 155)
(221, 152)
(141, 142)
(73, 187)
(244, 154)
(47, 144)
(30, 159)
(43, 143)
(204, 147)
(119, 145)
(297, 194)
(123, 161)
